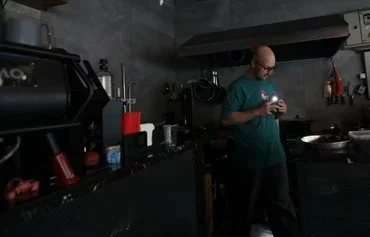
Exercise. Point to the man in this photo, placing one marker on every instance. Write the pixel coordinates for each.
(259, 158)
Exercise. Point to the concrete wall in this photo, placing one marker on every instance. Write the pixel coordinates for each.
(142, 35)
(138, 33)
(300, 83)
(194, 16)
(15, 10)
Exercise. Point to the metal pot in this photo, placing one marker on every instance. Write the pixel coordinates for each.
(27, 31)
(312, 141)
(170, 134)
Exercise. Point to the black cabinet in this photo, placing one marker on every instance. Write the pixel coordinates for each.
(157, 201)
(334, 199)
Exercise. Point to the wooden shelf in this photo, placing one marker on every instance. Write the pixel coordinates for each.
(42, 4)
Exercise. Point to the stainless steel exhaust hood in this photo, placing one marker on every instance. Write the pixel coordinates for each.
(295, 40)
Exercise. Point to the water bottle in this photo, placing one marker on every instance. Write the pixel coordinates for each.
(105, 77)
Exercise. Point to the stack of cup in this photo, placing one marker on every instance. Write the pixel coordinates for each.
(170, 134)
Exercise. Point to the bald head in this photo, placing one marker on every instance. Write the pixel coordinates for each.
(263, 62)
(263, 52)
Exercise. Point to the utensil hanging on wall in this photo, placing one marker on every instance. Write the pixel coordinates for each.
(123, 78)
(351, 97)
(337, 88)
(328, 92)
(129, 85)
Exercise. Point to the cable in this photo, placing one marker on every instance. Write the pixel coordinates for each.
(204, 87)
(11, 153)
(3, 4)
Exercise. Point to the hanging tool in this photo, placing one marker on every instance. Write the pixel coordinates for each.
(338, 88)
(130, 93)
(328, 92)
(123, 75)
(350, 94)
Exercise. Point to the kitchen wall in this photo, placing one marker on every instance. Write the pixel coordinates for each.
(143, 35)
(300, 83)
(193, 16)
(14, 10)
(138, 33)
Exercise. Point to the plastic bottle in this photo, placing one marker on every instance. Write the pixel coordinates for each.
(105, 77)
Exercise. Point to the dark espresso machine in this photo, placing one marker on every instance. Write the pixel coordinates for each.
(48, 101)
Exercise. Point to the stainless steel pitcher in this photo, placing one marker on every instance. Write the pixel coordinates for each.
(27, 31)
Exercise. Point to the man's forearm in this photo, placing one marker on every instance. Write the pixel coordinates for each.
(240, 117)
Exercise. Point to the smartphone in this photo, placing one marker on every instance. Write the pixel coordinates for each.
(274, 99)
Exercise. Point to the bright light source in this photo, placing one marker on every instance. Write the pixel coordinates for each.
(274, 98)
(161, 2)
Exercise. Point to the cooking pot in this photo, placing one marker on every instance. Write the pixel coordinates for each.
(28, 32)
(313, 141)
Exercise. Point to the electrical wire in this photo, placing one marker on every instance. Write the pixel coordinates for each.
(11, 153)
(204, 87)
(3, 4)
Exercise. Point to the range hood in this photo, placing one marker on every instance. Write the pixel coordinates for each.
(295, 40)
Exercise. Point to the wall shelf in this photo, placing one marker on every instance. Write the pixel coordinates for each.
(42, 4)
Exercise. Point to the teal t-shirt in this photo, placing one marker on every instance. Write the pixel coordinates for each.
(258, 142)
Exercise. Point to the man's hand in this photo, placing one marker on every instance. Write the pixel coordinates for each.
(267, 108)
(281, 107)
(243, 117)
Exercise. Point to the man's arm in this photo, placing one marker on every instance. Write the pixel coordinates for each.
(240, 117)
(243, 117)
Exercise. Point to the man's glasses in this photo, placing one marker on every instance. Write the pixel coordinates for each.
(269, 69)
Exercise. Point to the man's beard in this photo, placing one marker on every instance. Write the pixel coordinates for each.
(261, 78)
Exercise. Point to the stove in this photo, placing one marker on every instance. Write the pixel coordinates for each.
(317, 155)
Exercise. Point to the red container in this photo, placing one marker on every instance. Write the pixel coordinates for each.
(63, 170)
(130, 122)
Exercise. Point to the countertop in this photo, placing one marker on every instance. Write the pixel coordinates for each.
(349, 156)
(94, 180)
